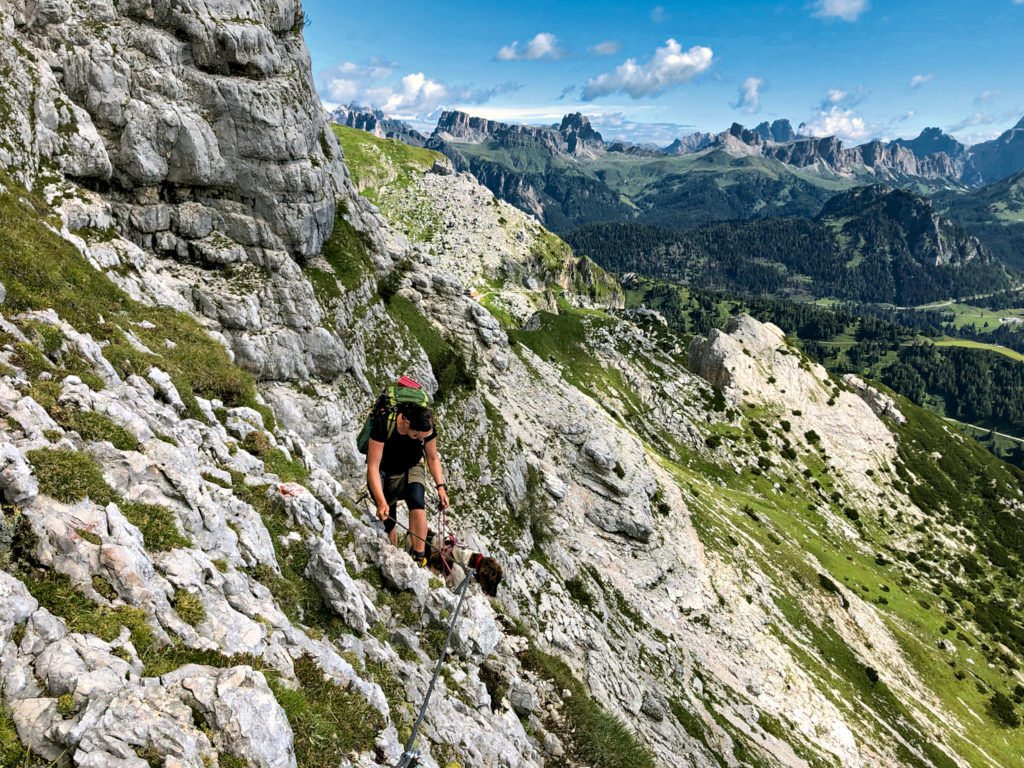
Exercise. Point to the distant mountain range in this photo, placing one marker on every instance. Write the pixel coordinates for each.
(568, 176)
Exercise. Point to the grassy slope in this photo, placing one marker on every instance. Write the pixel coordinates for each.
(748, 520)
(1000, 203)
(40, 270)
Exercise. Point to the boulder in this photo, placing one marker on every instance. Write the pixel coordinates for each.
(326, 569)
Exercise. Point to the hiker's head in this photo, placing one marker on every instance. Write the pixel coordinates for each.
(420, 417)
(489, 575)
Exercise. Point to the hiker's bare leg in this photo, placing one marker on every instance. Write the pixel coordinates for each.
(393, 537)
(418, 528)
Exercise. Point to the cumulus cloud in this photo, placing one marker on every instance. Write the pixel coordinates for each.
(839, 121)
(847, 10)
(669, 66)
(544, 45)
(750, 95)
(607, 48)
(918, 80)
(835, 96)
(411, 96)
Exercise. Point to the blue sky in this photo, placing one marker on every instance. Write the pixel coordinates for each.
(859, 69)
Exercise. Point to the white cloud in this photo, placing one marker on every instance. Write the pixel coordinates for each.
(544, 45)
(658, 14)
(669, 66)
(904, 117)
(918, 80)
(847, 10)
(987, 95)
(837, 97)
(971, 122)
(750, 95)
(413, 96)
(839, 121)
(607, 48)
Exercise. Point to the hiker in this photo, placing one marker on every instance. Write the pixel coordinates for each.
(395, 470)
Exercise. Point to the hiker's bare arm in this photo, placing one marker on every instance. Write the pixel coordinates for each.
(436, 472)
(373, 454)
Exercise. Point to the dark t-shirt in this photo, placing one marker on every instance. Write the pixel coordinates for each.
(400, 452)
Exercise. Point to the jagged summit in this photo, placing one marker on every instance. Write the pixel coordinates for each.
(779, 131)
(376, 122)
(574, 136)
(931, 141)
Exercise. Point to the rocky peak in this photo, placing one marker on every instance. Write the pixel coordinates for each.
(691, 143)
(779, 131)
(460, 126)
(932, 140)
(376, 122)
(574, 136)
(579, 135)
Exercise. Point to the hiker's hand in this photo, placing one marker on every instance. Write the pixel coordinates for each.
(442, 495)
(382, 510)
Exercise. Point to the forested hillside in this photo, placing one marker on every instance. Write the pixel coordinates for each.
(868, 245)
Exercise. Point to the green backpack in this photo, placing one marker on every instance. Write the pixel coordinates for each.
(405, 390)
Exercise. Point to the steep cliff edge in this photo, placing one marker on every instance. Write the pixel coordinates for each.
(720, 573)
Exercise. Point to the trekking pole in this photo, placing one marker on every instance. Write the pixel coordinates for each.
(411, 757)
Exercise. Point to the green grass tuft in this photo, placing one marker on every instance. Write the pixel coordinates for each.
(94, 427)
(157, 524)
(188, 607)
(69, 476)
(42, 271)
(327, 720)
(594, 736)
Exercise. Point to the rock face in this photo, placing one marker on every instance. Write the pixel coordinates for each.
(200, 120)
(993, 160)
(692, 143)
